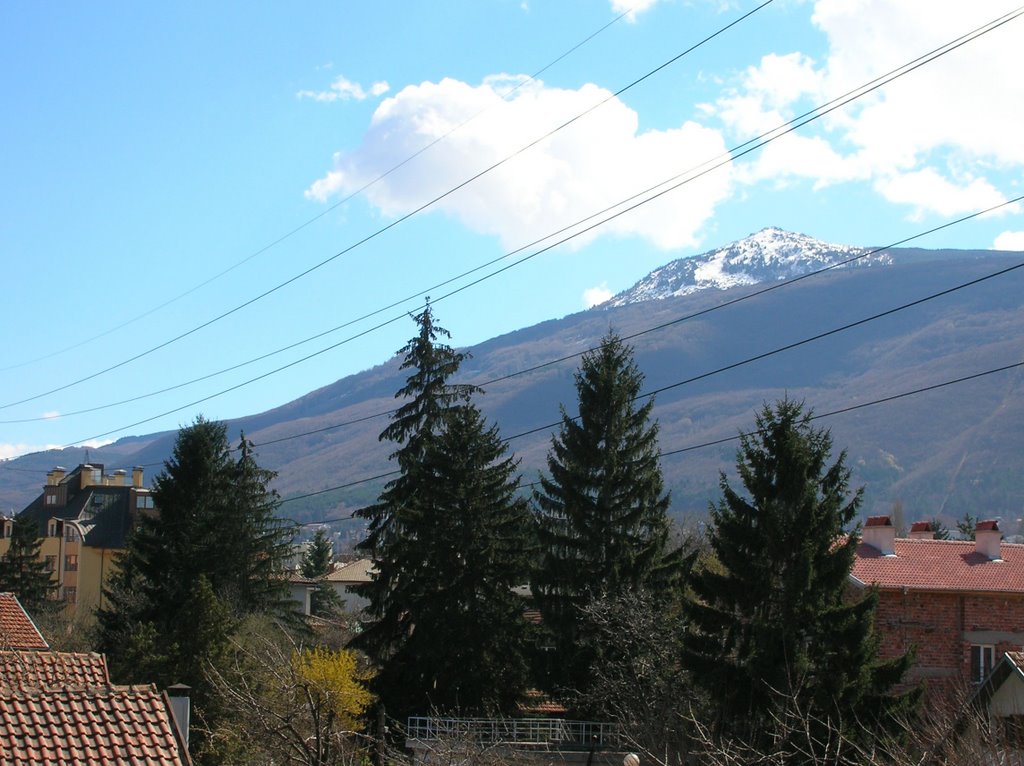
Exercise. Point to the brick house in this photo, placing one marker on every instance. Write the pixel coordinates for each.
(83, 518)
(959, 604)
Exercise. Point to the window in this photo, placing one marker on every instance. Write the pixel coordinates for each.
(71, 563)
(71, 534)
(982, 659)
(51, 499)
(52, 530)
(143, 501)
(51, 563)
(70, 594)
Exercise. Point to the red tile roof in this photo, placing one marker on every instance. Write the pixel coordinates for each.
(27, 671)
(878, 521)
(921, 526)
(17, 631)
(941, 565)
(116, 725)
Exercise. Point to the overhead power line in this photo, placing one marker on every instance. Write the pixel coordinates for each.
(398, 221)
(504, 96)
(687, 177)
(712, 443)
(734, 365)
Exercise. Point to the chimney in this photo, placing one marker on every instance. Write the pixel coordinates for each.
(54, 476)
(986, 539)
(118, 477)
(137, 477)
(922, 530)
(880, 534)
(181, 708)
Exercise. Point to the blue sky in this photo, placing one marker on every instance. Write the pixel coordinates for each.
(152, 152)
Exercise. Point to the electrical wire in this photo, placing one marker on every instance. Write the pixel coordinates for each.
(504, 96)
(711, 443)
(687, 177)
(398, 221)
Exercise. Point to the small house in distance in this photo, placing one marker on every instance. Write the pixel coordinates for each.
(959, 604)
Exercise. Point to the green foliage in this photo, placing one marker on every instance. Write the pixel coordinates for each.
(317, 562)
(450, 538)
(22, 570)
(941, 530)
(213, 552)
(601, 510)
(319, 556)
(290, 703)
(770, 628)
(967, 526)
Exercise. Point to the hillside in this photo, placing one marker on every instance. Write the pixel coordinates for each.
(949, 451)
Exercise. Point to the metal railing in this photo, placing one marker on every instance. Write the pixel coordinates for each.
(551, 732)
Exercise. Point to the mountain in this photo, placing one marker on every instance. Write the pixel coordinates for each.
(954, 449)
(770, 255)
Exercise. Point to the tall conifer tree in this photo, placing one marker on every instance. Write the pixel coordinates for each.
(771, 630)
(22, 571)
(212, 552)
(602, 510)
(449, 538)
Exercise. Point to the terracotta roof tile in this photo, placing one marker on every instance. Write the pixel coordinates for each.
(116, 725)
(17, 631)
(360, 570)
(943, 565)
(921, 526)
(878, 521)
(27, 671)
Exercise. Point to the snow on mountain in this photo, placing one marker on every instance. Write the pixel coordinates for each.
(769, 255)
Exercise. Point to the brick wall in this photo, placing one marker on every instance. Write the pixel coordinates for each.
(941, 627)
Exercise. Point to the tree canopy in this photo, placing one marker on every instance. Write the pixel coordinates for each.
(601, 509)
(771, 628)
(23, 571)
(450, 540)
(212, 553)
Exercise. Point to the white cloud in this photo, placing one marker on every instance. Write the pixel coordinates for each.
(51, 414)
(343, 89)
(592, 296)
(632, 7)
(595, 162)
(1009, 240)
(914, 137)
(8, 451)
(927, 191)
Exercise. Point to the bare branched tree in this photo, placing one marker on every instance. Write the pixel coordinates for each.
(287, 708)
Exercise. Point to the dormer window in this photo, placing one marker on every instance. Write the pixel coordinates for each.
(143, 501)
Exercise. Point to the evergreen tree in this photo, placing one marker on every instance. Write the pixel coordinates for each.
(449, 538)
(602, 510)
(23, 571)
(212, 553)
(317, 562)
(771, 631)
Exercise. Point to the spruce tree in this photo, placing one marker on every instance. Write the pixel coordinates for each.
(772, 633)
(22, 570)
(601, 511)
(317, 562)
(212, 553)
(449, 538)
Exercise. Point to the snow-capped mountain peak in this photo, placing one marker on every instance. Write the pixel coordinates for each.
(768, 255)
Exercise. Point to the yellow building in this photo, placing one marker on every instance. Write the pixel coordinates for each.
(83, 519)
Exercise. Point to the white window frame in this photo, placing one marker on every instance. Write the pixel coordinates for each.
(980, 669)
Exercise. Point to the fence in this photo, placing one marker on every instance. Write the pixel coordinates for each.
(533, 732)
